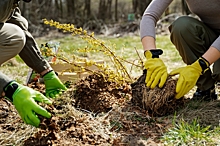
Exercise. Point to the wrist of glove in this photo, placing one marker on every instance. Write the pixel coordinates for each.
(153, 53)
(54, 87)
(204, 64)
(189, 75)
(156, 69)
(25, 101)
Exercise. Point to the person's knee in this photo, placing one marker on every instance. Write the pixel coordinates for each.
(12, 41)
(180, 26)
(18, 39)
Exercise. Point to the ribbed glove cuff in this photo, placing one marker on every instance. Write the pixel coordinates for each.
(9, 89)
(204, 64)
(153, 53)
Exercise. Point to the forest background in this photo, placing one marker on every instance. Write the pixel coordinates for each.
(94, 15)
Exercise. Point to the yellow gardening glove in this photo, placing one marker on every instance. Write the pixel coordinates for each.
(156, 69)
(189, 75)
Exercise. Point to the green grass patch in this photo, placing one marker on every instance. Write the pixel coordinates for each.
(184, 133)
(126, 47)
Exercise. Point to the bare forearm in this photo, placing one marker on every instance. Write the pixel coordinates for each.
(212, 55)
(148, 43)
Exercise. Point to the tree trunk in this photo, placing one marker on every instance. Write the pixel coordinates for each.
(116, 10)
(109, 9)
(71, 13)
(139, 6)
(185, 9)
(135, 5)
(87, 9)
(102, 9)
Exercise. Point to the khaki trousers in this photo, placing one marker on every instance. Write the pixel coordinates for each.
(16, 39)
(12, 40)
(192, 39)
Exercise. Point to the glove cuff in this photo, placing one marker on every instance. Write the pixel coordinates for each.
(46, 73)
(49, 72)
(153, 53)
(9, 89)
(204, 64)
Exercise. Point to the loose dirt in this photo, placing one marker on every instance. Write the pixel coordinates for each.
(95, 112)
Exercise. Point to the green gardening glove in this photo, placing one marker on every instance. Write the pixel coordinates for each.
(156, 69)
(189, 75)
(24, 100)
(53, 85)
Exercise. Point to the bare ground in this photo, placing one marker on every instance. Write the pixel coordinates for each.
(95, 112)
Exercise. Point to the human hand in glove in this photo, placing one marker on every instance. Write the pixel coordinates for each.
(189, 75)
(156, 69)
(53, 85)
(24, 100)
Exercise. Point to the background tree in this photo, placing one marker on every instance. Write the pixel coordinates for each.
(87, 9)
(88, 12)
(139, 6)
(104, 12)
(185, 9)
